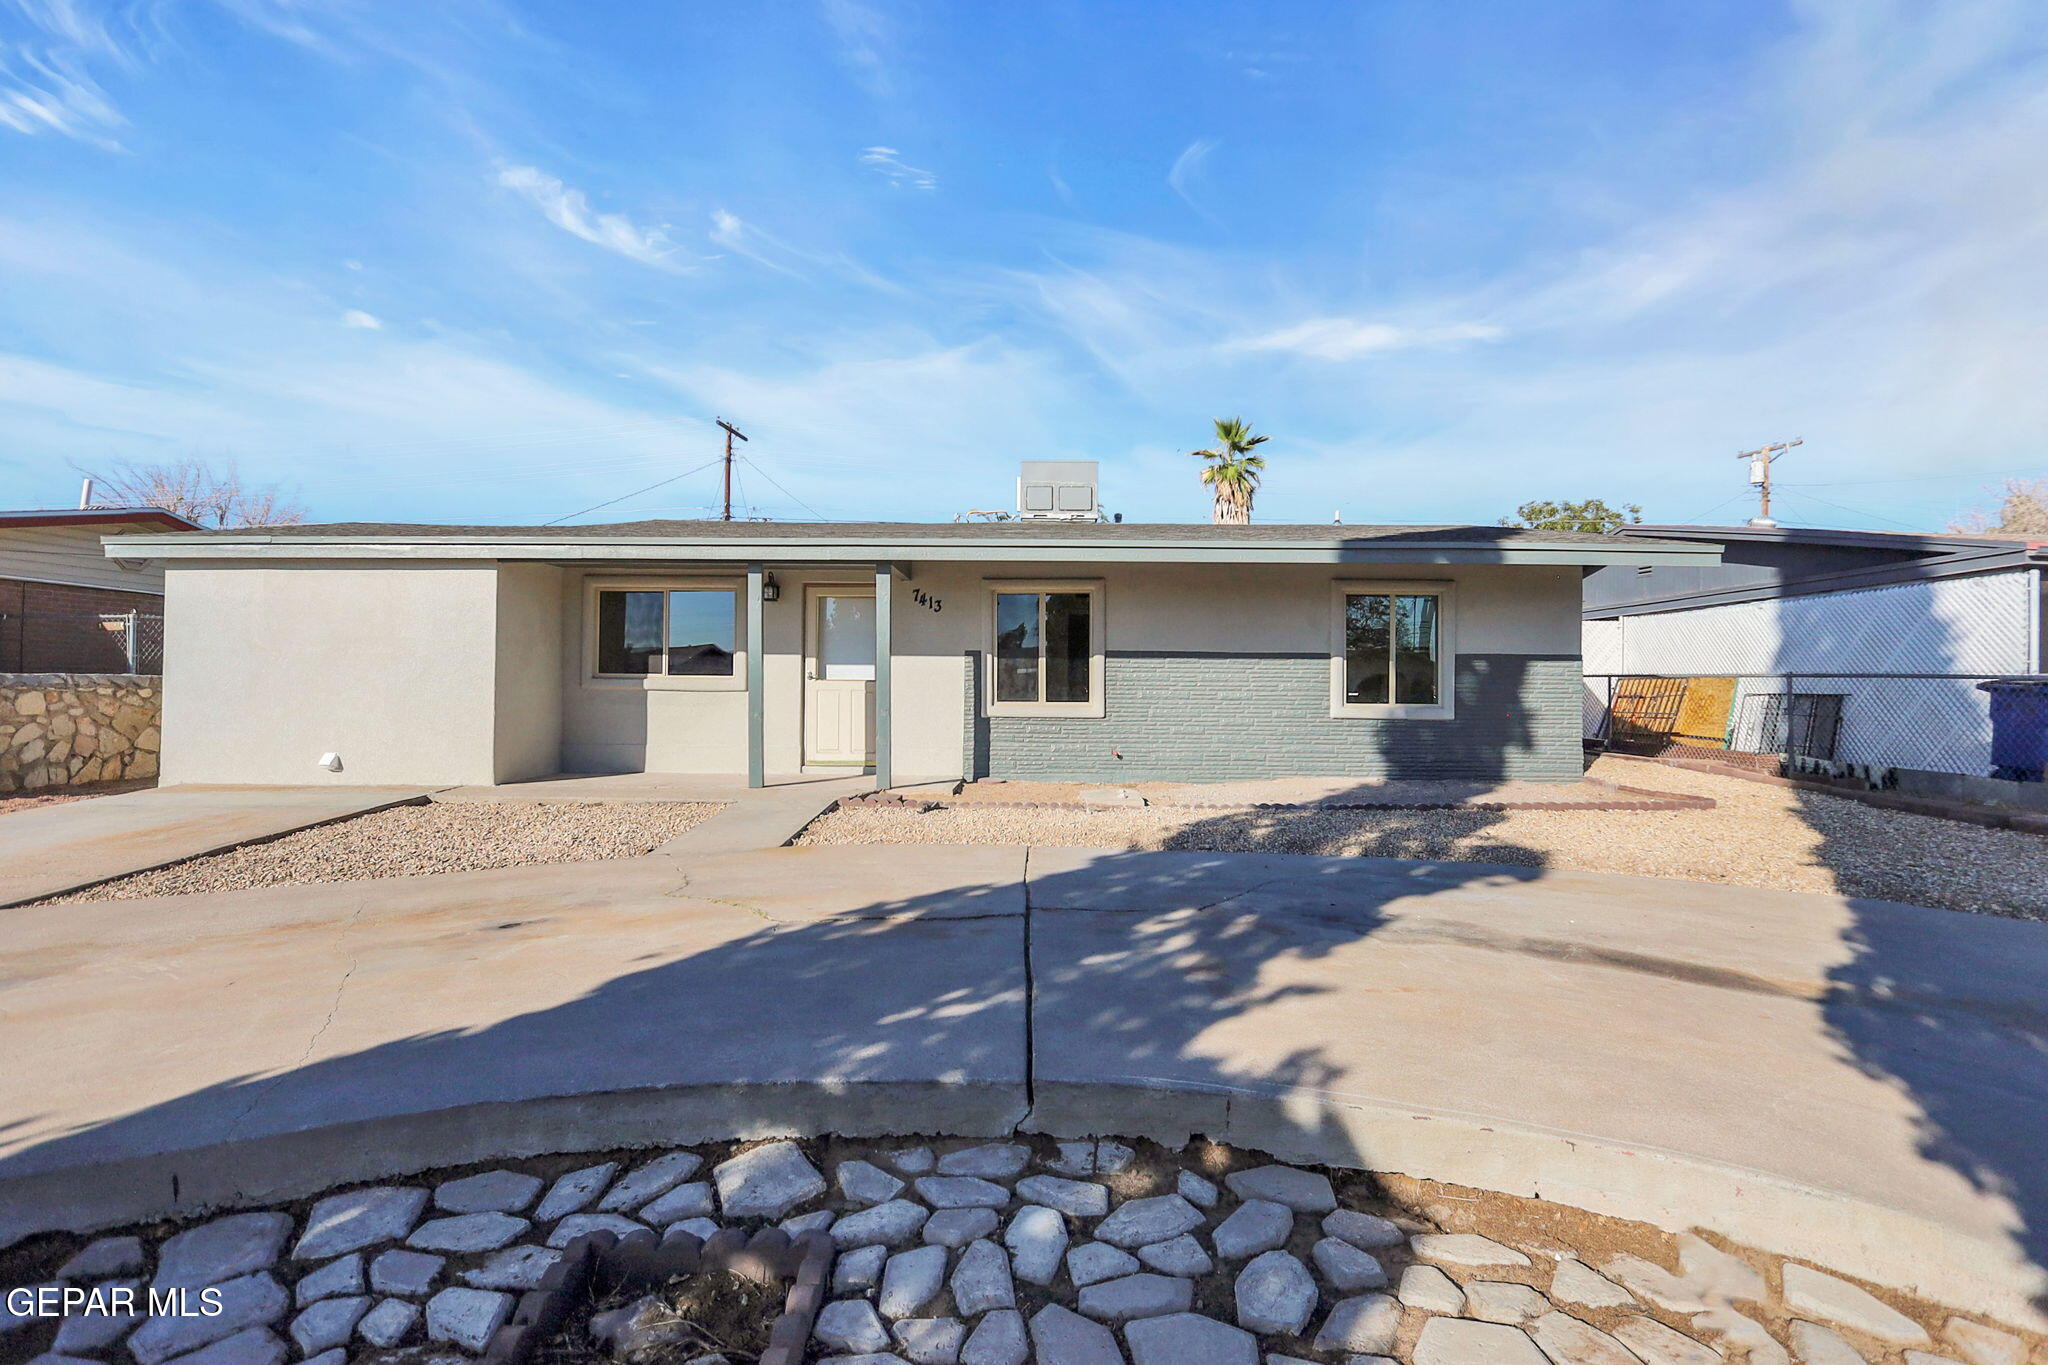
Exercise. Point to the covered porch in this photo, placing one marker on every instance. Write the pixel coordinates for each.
(783, 673)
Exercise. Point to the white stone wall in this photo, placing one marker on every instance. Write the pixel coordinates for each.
(64, 729)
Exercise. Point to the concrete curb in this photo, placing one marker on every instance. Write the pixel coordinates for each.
(292, 1166)
(1885, 1246)
(1672, 1191)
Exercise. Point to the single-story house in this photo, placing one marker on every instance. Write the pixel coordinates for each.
(72, 598)
(1024, 648)
(1862, 648)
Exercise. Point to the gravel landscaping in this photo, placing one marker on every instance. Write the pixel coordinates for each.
(411, 841)
(962, 1252)
(1757, 835)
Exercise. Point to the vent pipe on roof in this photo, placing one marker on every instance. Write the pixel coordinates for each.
(85, 494)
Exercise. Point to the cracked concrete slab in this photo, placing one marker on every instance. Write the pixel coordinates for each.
(49, 850)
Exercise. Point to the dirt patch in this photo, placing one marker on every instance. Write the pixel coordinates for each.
(413, 841)
(716, 1312)
(1756, 835)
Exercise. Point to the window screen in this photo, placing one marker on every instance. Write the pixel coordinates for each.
(1390, 650)
(686, 632)
(1043, 647)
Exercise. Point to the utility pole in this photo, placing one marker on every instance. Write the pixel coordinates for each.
(730, 432)
(1760, 461)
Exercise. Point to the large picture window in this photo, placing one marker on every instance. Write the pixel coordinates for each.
(1390, 650)
(672, 632)
(1047, 649)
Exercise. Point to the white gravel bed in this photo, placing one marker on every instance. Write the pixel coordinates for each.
(411, 841)
(1758, 835)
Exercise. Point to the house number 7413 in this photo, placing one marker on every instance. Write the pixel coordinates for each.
(926, 600)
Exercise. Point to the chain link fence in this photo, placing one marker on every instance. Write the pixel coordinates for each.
(1936, 722)
(81, 642)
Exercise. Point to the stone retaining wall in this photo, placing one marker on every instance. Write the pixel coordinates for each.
(65, 729)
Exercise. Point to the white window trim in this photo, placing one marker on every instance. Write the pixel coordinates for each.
(664, 682)
(1098, 632)
(1446, 650)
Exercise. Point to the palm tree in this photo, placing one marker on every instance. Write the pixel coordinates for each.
(1233, 470)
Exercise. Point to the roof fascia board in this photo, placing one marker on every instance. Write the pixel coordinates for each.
(1963, 565)
(173, 548)
(1931, 542)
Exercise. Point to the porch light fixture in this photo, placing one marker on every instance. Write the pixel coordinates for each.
(771, 591)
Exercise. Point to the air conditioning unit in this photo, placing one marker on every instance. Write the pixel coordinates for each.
(1058, 490)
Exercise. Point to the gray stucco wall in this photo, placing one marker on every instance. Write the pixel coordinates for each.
(1216, 717)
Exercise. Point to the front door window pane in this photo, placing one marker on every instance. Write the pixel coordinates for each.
(628, 632)
(1415, 654)
(1367, 653)
(1066, 646)
(846, 638)
(1017, 646)
(700, 631)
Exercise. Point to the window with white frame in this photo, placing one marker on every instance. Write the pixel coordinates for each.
(1390, 654)
(1046, 654)
(680, 632)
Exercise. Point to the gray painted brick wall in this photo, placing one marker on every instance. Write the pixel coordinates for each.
(1210, 717)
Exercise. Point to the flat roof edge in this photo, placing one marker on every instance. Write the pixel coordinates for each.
(1965, 564)
(174, 548)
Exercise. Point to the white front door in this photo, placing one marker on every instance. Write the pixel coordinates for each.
(839, 677)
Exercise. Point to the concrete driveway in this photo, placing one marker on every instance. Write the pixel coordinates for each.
(1858, 1083)
(49, 850)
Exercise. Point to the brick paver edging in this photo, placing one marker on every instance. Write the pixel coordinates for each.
(1964, 812)
(638, 1262)
(1657, 801)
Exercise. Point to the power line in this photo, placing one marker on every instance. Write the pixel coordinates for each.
(636, 493)
(815, 513)
(1857, 511)
(1694, 519)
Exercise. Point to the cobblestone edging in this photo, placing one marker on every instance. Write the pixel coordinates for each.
(1645, 800)
(1097, 1252)
(67, 729)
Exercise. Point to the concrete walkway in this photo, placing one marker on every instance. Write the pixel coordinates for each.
(49, 850)
(1860, 1084)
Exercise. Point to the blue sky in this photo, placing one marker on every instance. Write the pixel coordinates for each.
(481, 260)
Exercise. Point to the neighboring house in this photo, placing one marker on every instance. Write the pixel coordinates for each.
(69, 606)
(1858, 647)
(1073, 649)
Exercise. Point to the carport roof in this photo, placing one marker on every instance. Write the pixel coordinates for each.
(738, 541)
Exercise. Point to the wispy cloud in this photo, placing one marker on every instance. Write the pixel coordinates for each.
(896, 171)
(1355, 338)
(46, 82)
(569, 209)
(864, 34)
(1187, 167)
(742, 239)
(356, 317)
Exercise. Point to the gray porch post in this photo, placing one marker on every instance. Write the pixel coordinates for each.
(756, 682)
(885, 777)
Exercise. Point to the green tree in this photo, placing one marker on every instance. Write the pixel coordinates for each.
(1233, 471)
(1591, 515)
